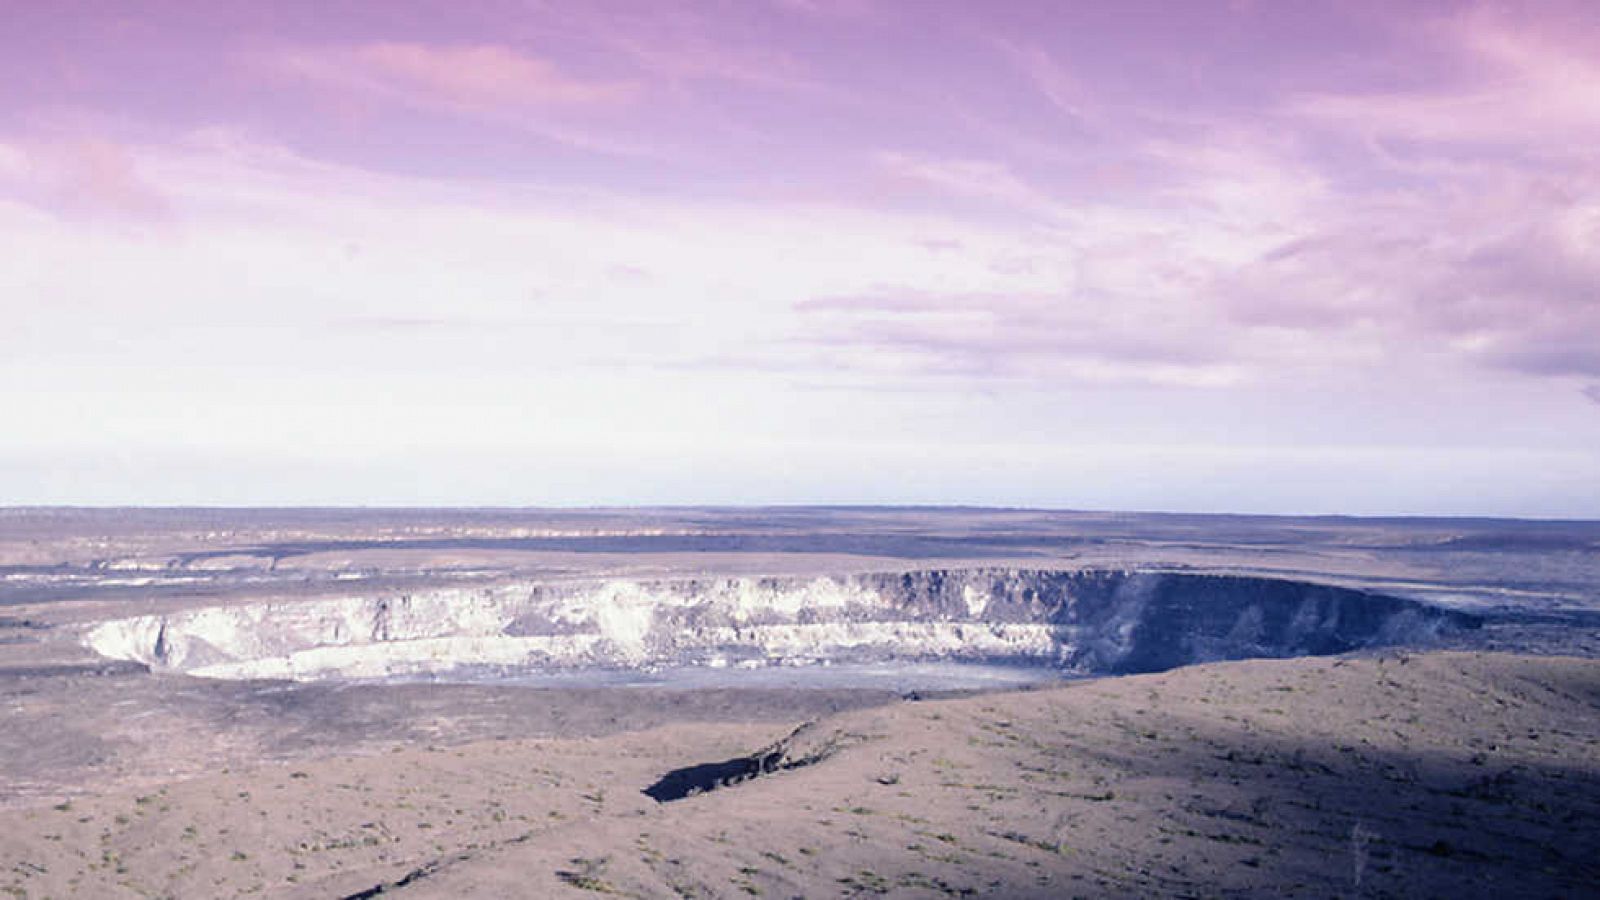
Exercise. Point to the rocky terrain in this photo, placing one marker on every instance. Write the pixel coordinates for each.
(1398, 775)
(732, 703)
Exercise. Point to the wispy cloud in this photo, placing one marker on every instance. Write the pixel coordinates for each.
(1065, 92)
(1528, 89)
(481, 77)
(1502, 277)
(678, 45)
(1352, 223)
(82, 176)
(986, 181)
(1027, 337)
(484, 84)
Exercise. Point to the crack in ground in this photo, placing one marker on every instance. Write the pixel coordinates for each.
(434, 867)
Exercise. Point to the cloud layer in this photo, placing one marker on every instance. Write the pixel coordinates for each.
(637, 232)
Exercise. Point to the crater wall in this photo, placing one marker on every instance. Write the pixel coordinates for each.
(1079, 621)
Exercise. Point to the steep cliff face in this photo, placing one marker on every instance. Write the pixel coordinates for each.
(1088, 622)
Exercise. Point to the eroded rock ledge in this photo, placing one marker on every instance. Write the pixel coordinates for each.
(1081, 621)
(807, 745)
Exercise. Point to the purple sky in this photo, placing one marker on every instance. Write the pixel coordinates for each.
(1237, 256)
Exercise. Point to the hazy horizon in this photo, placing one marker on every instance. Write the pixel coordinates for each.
(1246, 258)
(381, 508)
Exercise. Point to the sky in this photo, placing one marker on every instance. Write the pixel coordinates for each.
(1277, 257)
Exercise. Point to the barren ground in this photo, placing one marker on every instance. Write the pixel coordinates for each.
(1401, 775)
(1390, 773)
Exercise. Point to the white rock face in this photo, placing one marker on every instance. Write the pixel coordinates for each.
(1086, 621)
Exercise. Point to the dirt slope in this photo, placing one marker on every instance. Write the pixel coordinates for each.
(1431, 775)
(1436, 775)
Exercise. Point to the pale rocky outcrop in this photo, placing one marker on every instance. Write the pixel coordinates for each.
(1088, 621)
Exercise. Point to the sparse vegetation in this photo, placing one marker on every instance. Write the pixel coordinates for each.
(586, 875)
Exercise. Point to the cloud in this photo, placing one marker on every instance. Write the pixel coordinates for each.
(1592, 392)
(89, 177)
(679, 44)
(482, 75)
(484, 84)
(1569, 357)
(970, 179)
(1246, 260)
(1534, 91)
(1500, 271)
(1028, 337)
(476, 77)
(1064, 91)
